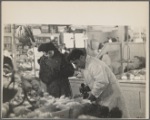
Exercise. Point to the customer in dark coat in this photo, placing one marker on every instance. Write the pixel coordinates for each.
(55, 70)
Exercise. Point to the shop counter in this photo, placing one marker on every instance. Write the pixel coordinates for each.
(133, 90)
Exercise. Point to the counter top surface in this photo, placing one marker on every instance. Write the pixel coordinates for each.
(120, 81)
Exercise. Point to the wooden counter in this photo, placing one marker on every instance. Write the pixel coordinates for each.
(120, 81)
(133, 90)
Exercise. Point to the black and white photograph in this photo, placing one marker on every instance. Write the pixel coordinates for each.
(74, 60)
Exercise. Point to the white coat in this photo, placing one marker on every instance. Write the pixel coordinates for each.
(104, 85)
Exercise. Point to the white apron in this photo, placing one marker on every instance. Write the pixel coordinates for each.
(103, 85)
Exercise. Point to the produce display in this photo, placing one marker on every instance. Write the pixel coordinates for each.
(24, 63)
(31, 101)
(25, 66)
(42, 108)
(134, 75)
(47, 105)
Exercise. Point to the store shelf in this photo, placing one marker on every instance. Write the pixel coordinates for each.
(133, 81)
(114, 43)
(134, 43)
(75, 79)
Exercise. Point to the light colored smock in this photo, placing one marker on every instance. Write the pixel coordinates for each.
(103, 85)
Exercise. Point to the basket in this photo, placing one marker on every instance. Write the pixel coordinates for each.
(62, 114)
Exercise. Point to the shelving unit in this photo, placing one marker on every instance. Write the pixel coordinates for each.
(45, 37)
(7, 39)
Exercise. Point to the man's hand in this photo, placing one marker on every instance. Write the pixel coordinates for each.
(84, 88)
(91, 97)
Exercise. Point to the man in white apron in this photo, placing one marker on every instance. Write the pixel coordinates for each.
(104, 87)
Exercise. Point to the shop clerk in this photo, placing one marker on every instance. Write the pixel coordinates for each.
(104, 87)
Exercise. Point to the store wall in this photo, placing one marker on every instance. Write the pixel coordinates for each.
(136, 49)
(103, 36)
(98, 35)
(120, 33)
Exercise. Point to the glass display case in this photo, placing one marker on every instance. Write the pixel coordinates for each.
(129, 53)
(114, 51)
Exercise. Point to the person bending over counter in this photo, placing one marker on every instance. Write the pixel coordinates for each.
(105, 89)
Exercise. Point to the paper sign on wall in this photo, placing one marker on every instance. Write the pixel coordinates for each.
(68, 40)
(79, 40)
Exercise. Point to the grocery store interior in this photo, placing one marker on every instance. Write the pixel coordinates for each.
(29, 82)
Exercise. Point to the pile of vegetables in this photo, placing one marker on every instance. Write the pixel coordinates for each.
(44, 107)
(47, 105)
(32, 102)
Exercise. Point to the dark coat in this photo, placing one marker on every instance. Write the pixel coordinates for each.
(54, 72)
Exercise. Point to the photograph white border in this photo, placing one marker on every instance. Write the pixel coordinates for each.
(79, 12)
